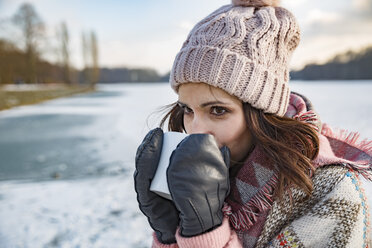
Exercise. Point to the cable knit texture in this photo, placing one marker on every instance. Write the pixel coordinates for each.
(243, 50)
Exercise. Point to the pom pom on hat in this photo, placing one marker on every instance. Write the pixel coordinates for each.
(256, 3)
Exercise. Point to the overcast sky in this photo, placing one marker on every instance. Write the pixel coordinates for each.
(149, 33)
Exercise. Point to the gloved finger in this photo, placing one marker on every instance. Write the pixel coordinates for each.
(225, 151)
(147, 159)
(163, 217)
(148, 153)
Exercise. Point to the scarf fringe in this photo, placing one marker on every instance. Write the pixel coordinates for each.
(353, 139)
(247, 215)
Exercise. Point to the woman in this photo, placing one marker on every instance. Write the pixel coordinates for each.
(258, 170)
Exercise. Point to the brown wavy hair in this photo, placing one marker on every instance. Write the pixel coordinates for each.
(290, 143)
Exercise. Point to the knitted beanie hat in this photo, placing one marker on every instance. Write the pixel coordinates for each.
(243, 48)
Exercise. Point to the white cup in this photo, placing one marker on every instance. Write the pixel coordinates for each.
(159, 184)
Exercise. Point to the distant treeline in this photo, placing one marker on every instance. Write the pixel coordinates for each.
(119, 75)
(14, 68)
(346, 66)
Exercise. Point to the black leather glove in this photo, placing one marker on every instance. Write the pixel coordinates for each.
(161, 213)
(198, 181)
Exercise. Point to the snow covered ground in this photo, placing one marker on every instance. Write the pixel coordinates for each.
(95, 212)
(100, 210)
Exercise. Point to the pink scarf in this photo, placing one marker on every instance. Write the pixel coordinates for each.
(251, 195)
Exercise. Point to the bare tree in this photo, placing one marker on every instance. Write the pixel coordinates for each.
(94, 56)
(32, 28)
(84, 44)
(63, 36)
(85, 53)
(90, 57)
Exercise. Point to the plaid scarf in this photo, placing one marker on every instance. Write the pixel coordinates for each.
(252, 189)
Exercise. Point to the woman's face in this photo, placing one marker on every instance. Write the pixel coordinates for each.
(210, 110)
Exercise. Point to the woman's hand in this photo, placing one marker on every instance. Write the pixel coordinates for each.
(161, 213)
(199, 183)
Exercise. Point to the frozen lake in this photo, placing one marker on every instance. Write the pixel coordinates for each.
(67, 164)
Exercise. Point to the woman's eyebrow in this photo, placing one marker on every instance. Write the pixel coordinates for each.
(212, 103)
(203, 105)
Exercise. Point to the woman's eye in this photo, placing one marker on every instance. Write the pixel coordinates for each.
(186, 110)
(218, 111)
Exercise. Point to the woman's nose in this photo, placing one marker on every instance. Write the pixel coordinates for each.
(200, 126)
